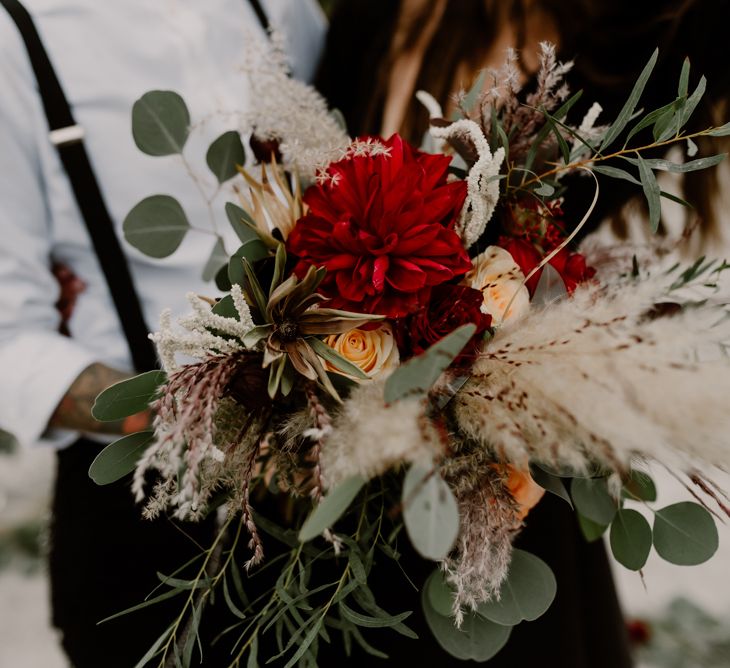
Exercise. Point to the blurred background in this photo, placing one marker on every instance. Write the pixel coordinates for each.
(677, 618)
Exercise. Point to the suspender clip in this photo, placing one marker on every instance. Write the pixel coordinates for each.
(71, 134)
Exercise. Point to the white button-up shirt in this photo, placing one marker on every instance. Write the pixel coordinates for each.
(107, 54)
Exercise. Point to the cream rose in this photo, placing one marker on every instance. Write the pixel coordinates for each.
(374, 351)
(499, 278)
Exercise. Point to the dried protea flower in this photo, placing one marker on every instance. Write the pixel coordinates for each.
(294, 323)
(273, 202)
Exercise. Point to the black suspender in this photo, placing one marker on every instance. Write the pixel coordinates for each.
(260, 14)
(67, 136)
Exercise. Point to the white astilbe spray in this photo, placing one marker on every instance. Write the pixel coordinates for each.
(192, 337)
(597, 379)
(482, 182)
(185, 414)
(289, 111)
(367, 437)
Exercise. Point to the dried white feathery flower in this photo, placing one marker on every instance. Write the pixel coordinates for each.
(368, 438)
(482, 182)
(550, 89)
(597, 378)
(367, 147)
(480, 562)
(289, 111)
(192, 336)
(431, 103)
(430, 144)
(589, 121)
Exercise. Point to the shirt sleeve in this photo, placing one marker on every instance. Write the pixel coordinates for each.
(37, 364)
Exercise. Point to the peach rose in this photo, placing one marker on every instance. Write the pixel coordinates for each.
(374, 351)
(524, 490)
(495, 273)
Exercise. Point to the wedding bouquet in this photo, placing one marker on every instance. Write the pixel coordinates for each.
(399, 372)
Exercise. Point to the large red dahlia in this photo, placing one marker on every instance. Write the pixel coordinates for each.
(382, 225)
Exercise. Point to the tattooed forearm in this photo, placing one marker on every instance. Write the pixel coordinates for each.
(74, 411)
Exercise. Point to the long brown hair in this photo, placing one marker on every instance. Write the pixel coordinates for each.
(610, 41)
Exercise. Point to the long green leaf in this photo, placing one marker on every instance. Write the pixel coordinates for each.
(692, 102)
(681, 167)
(627, 112)
(652, 193)
(333, 505)
(416, 377)
(367, 621)
(335, 359)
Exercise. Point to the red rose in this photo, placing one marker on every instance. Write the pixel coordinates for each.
(382, 226)
(451, 306)
(571, 266)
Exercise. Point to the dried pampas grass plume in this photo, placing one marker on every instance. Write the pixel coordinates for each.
(596, 379)
(367, 437)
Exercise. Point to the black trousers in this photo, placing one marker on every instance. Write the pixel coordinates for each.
(104, 558)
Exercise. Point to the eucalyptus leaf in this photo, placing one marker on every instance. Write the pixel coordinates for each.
(440, 593)
(651, 192)
(226, 155)
(218, 259)
(630, 539)
(430, 513)
(128, 397)
(627, 111)
(416, 377)
(477, 640)
(222, 282)
(241, 222)
(525, 595)
(640, 487)
(550, 483)
(8, 442)
(333, 505)
(119, 458)
(226, 307)
(591, 530)
(592, 499)
(545, 190)
(685, 534)
(156, 226)
(253, 251)
(160, 123)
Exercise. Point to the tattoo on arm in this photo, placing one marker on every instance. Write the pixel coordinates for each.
(74, 410)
